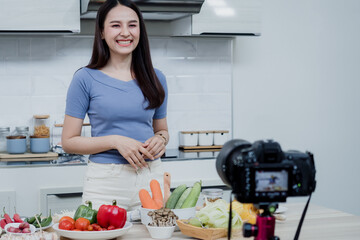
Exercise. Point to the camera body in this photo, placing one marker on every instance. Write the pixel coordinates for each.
(261, 172)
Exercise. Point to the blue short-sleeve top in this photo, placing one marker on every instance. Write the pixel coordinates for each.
(114, 107)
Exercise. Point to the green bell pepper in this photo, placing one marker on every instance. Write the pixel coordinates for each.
(86, 212)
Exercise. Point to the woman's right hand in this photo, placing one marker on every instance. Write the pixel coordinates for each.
(133, 151)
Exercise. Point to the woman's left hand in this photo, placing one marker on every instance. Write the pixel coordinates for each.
(155, 146)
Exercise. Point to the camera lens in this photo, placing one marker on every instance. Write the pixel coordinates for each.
(226, 159)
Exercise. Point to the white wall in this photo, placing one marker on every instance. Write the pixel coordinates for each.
(35, 72)
(298, 83)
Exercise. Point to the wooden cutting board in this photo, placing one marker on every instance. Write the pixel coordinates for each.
(6, 157)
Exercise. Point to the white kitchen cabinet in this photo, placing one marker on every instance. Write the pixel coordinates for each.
(40, 15)
(28, 182)
(228, 17)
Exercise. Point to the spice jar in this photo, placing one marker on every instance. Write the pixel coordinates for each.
(40, 140)
(212, 194)
(4, 132)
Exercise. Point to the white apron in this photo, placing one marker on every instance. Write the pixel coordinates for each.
(104, 183)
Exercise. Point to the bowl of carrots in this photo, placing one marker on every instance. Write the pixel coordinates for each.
(156, 201)
(150, 203)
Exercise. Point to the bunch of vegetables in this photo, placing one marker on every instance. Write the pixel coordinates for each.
(34, 220)
(184, 197)
(38, 222)
(181, 197)
(216, 215)
(109, 217)
(7, 219)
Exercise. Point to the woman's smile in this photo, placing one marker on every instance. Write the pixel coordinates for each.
(124, 43)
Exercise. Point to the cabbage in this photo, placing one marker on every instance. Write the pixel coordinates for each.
(216, 215)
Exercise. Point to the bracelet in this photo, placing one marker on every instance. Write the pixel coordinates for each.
(163, 137)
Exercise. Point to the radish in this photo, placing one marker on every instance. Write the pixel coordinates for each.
(26, 230)
(24, 225)
(11, 229)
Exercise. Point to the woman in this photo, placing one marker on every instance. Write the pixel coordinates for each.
(126, 100)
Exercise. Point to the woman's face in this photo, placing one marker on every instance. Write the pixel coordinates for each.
(121, 30)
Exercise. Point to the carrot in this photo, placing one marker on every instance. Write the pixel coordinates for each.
(156, 193)
(146, 200)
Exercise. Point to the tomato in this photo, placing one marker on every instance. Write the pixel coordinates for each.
(66, 225)
(95, 227)
(67, 218)
(82, 224)
(111, 227)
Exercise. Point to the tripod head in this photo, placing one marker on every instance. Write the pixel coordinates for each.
(264, 228)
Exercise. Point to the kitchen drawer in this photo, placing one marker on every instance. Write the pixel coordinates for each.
(60, 202)
(59, 199)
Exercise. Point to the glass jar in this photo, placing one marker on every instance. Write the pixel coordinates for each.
(4, 132)
(41, 126)
(23, 131)
(212, 194)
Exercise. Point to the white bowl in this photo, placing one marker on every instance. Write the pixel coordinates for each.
(16, 225)
(160, 232)
(95, 235)
(182, 213)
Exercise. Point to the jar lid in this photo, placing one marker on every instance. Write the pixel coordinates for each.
(213, 192)
(4, 129)
(22, 128)
(16, 137)
(41, 116)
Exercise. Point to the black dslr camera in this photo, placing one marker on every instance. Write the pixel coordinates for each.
(263, 173)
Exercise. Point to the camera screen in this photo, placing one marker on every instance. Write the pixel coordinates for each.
(271, 181)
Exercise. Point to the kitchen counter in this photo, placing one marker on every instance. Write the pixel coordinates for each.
(58, 186)
(78, 160)
(320, 224)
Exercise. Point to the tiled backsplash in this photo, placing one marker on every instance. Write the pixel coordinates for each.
(36, 71)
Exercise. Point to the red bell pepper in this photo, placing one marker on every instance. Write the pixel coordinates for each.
(111, 215)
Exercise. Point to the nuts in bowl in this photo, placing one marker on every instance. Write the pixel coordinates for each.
(162, 223)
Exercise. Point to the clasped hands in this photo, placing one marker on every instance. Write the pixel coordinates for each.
(136, 152)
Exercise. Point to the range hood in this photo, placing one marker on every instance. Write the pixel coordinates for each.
(164, 10)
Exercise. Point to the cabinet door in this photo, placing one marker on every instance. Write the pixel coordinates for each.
(228, 17)
(40, 15)
(7, 200)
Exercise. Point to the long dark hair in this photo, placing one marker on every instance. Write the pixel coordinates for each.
(141, 64)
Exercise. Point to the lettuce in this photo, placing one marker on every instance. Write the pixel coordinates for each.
(216, 215)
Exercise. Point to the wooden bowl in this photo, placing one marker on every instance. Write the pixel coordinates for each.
(201, 233)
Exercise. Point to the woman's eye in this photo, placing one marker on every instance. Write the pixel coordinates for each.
(132, 25)
(116, 25)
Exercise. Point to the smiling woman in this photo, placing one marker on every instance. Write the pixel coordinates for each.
(121, 31)
(126, 101)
